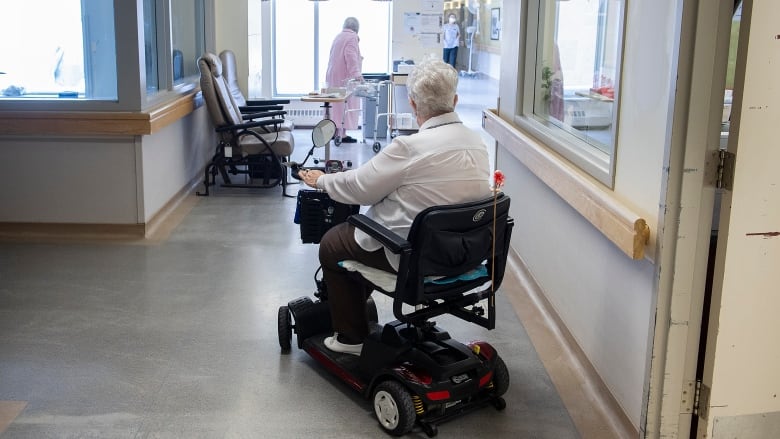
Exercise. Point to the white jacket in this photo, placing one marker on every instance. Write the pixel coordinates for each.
(444, 163)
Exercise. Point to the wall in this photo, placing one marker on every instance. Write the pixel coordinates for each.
(118, 180)
(172, 157)
(486, 57)
(232, 30)
(68, 180)
(404, 44)
(605, 299)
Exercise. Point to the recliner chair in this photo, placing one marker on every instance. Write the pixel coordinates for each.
(229, 69)
(246, 144)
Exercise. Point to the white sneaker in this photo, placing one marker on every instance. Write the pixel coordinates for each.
(335, 345)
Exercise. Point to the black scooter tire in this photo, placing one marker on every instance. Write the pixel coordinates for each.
(285, 328)
(394, 408)
(500, 377)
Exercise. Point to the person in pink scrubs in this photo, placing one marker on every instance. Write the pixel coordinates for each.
(345, 63)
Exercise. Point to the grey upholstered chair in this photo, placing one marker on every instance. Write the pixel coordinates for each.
(229, 69)
(245, 146)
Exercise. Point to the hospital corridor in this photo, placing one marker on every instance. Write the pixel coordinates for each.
(175, 336)
(160, 266)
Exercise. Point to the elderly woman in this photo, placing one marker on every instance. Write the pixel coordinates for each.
(345, 63)
(444, 163)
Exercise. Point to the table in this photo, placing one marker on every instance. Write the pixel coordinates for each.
(327, 99)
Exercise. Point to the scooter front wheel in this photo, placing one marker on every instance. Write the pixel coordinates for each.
(285, 328)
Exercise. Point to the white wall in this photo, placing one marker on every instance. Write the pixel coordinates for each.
(172, 157)
(232, 32)
(404, 44)
(68, 180)
(488, 64)
(101, 180)
(646, 93)
(605, 299)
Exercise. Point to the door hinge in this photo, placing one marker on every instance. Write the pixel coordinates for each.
(695, 398)
(720, 169)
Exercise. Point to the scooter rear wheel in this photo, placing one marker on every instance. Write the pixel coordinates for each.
(394, 408)
(500, 377)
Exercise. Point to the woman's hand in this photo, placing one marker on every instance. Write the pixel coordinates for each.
(310, 176)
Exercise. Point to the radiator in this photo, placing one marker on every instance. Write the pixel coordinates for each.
(304, 114)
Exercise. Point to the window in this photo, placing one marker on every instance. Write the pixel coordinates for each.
(186, 27)
(304, 30)
(150, 46)
(571, 79)
(66, 51)
(187, 38)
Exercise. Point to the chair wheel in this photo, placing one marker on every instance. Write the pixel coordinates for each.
(377, 146)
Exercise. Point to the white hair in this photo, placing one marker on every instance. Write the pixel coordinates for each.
(351, 23)
(432, 86)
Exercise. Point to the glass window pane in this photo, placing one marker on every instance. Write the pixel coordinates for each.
(304, 31)
(576, 69)
(150, 46)
(294, 47)
(187, 38)
(58, 48)
(374, 31)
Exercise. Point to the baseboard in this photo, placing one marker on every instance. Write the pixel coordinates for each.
(594, 410)
(70, 231)
(9, 410)
(162, 223)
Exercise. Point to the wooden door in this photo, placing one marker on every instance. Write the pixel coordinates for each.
(740, 394)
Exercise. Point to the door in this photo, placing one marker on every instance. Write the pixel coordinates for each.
(740, 392)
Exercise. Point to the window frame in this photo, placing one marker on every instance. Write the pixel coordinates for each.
(598, 164)
(132, 94)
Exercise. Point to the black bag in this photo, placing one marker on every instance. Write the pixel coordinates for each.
(263, 167)
(316, 212)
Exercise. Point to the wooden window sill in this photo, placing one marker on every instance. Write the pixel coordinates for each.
(627, 230)
(69, 123)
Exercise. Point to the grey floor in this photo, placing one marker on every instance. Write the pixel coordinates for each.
(178, 339)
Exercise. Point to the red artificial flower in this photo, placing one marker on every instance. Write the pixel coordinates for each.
(498, 179)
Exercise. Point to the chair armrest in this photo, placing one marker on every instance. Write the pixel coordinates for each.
(393, 242)
(263, 114)
(253, 102)
(248, 125)
(259, 108)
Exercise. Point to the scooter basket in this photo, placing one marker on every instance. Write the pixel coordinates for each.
(316, 213)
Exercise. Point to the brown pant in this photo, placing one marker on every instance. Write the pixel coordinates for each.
(346, 296)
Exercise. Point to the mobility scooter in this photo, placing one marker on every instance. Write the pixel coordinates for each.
(410, 369)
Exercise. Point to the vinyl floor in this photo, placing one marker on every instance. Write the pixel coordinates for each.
(177, 337)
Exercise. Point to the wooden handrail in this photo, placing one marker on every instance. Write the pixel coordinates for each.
(627, 230)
